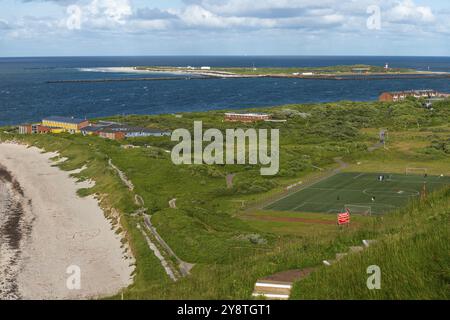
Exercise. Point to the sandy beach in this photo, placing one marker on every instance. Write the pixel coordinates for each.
(49, 234)
(130, 70)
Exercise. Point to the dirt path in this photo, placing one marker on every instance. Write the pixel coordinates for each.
(289, 219)
(290, 275)
(376, 146)
(122, 176)
(164, 249)
(183, 266)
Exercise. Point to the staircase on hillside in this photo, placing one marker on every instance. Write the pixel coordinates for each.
(279, 285)
(273, 289)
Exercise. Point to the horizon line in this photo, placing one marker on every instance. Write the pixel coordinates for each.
(225, 55)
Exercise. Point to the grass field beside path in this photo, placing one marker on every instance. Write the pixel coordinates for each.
(233, 247)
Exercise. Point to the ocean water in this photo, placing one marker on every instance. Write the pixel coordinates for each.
(25, 95)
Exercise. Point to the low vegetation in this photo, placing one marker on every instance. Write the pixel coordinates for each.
(327, 70)
(232, 247)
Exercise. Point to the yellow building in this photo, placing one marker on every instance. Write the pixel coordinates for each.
(63, 124)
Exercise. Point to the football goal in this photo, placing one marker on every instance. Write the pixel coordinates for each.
(358, 209)
(422, 171)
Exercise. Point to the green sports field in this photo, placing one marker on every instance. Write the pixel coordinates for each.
(331, 195)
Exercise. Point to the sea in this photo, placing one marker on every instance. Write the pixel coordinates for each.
(27, 96)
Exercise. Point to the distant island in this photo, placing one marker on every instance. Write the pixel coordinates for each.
(338, 70)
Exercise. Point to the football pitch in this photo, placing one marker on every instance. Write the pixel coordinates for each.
(359, 190)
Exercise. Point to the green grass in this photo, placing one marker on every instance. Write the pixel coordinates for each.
(353, 188)
(337, 69)
(412, 252)
(210, 230)
(329, 70)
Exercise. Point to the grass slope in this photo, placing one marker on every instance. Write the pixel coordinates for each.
(233, 248)
(412, 252)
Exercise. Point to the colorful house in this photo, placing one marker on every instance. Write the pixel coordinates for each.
(65, 124)
(402, 95)
(33, 129)
(119, 132)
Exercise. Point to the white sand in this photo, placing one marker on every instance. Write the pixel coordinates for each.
(67, 230)
(130, 70)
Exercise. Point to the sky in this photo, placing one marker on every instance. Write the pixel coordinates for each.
(224, 27)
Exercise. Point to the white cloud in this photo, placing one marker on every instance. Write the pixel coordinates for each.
(115, 10)
(318, 16)
(4, 25)
(408, 12)
(197, 16)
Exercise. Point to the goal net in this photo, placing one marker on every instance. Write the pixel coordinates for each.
(358, 209)
(410, 171)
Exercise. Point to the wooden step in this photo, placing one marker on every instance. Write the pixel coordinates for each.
(328, 262)
(271, 296)
(356, 249)
(368, 243)
(272, 289)
(339, 256)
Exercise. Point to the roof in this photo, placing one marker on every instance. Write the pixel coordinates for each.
(92, 128)
(246, 114)
(121, 128)
(127, 129)
(70, 120)
(413, 91)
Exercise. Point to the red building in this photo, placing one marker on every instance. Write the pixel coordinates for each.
(33, 129)
(25, 129)
(246, 117)
(111, 134)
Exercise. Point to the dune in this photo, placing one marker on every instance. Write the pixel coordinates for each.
(71, 251)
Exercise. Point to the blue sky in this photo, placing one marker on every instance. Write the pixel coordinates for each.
(224, 27)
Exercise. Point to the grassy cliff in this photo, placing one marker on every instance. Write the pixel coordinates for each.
(231, 248)
(412, 252)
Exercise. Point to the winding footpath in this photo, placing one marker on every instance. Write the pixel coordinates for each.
(155, 242)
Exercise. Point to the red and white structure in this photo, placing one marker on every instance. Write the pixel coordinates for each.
(343, 218)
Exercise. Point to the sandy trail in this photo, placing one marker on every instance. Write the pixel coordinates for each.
(66, 231)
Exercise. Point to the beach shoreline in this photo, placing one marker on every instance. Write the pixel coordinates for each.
(59, 232)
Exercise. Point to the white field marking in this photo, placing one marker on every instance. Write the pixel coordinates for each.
(297, 207)
(336, 189)
(309, 202)
(421, 181)
(391, 194)
(334, 211)
(377, 206)
(411, 181)
(371, 204)
(273, 285)
(359, 175)
(271, 295)
(367, 204)
(305, 187)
